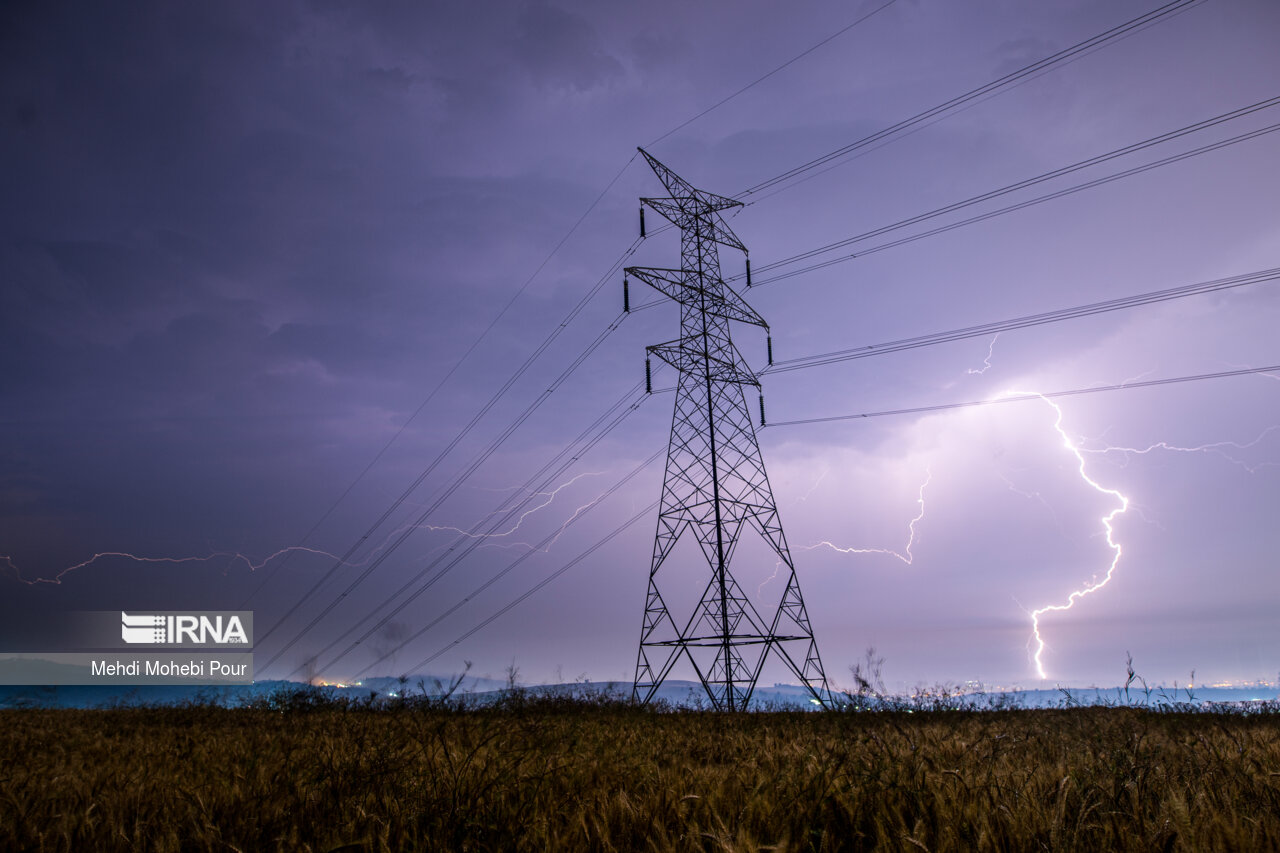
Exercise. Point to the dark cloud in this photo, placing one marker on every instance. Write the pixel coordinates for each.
(562, 50)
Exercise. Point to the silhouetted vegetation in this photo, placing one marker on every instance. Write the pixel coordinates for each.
(301, 770)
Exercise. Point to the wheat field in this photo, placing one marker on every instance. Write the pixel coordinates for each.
(303, 773)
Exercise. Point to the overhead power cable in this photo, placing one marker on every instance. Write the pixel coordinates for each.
(441, 495)
(423, 405)
(1014, 187)
(987, 196)
(538, 548)
(762, 78)
(960, 102)
(1017, 398)
(1163, 12)
(1022, 205)
(447, 492)
(600, 543)
(998, 326)
(468, 542)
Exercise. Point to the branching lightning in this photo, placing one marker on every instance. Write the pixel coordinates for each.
(986, 362)
(816, 483)
(1108, 524)
(778, 565)
(905, 555)
(548, 497)
(1216, 447)
(1077, 449)
(760, 588)
(254, 565)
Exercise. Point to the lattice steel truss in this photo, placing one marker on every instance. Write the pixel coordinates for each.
(715, 480)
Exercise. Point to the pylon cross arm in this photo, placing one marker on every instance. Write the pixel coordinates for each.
(696, 203)
(692, 212)
(720, 301)
(678, 186)
(689, 357)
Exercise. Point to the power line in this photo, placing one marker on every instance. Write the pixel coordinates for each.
(431, 396)
(539, 547)
(444, 494)
(1019, 185)
(762, 78)
(970, 98)
(539, 585)
(960, 100)
(942, 117)
(987, 196)
(996, 327)
(1016, 398)
(493, 445)
(1013, 208)
(470, 542)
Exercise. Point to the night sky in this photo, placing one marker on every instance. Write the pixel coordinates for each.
(241, 243)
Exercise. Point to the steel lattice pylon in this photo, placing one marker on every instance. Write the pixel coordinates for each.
(715, 480)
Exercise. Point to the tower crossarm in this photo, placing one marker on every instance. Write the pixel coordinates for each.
(719, 301)
(690, 357)
(739, 639)
(685, 211)
(678, 186)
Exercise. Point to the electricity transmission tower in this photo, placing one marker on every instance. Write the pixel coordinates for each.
(715, 483)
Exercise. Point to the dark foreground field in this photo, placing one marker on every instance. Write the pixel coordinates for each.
(560, 775)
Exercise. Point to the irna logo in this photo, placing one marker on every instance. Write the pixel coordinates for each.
(181, 629)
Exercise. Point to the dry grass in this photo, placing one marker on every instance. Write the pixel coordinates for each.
(567, 775)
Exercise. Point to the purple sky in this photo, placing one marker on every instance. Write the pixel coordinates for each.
(240, 244)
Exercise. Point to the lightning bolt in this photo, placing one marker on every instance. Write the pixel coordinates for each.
(905, 556)
(1215, 447)
(1137, 377)
(816, 483)
(254, 565)
(760, 588)
(1031, 496)
(986, 362)
(1108, 524)
(519, 522)
(577, 512)
(803, 498)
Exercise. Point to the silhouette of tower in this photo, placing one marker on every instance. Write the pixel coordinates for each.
(715, 485)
